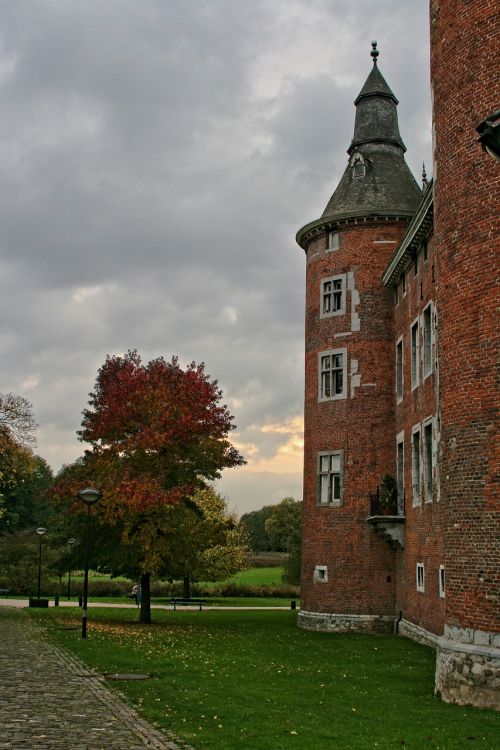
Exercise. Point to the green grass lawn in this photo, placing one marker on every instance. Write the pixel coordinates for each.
(259, 577)
(224, 680)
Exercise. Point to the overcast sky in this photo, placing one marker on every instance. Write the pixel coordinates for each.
(156, 160)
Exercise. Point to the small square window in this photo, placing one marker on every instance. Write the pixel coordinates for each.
(333, 241)
(321, 574)
(420, 577)
(441, 582)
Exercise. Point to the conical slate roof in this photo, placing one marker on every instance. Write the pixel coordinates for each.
(377, 179)
(387, 182)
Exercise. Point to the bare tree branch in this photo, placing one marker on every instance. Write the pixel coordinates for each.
(16, 419)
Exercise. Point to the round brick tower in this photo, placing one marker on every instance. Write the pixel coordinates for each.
(348, 571)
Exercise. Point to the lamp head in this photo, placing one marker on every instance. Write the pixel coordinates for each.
(40, 531)
(89, 495)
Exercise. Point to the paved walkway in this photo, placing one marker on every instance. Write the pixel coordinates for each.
(49, 699)
(22, 603)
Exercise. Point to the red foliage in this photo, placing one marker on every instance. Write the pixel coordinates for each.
(155, 431)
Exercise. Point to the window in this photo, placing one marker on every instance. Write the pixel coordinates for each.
(332, 374)
(333, 241)
(400, 467)
(441, 582)
(330, 478)
(359, 169)
(428, 340)
(358, 165)
(332, 296)
(415, 264)
(415, 465)
(403, 283)
(321, 574)
(428, 461)
(420, 577)
(414, 354)
(399, 370)
(426, 251)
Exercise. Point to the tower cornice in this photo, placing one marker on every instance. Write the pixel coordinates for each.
(348, 218)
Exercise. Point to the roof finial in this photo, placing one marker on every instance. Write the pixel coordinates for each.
(425, 182)
(374, 53)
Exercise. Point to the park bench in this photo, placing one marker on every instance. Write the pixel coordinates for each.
(4, 592)
(186, 602)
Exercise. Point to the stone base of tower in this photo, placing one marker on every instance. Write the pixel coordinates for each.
(345, 623)
(468, 667)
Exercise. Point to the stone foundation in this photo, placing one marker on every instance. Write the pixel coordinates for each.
(417, 633)
(468, 667)
(345, 623)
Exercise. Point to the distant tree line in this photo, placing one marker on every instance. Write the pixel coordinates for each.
(277, 528)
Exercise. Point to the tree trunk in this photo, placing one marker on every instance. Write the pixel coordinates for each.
(145, 615)
(186, 589)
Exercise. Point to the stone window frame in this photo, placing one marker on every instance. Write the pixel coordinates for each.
(400, 370)
(332, 241)
(442, 582)
(428, 487)
(320, 574)
(400, 480)
(428, 341)
(415, 353)
(416, 470)
(338, 501)
(332, 353)
(331, 279)
(420, 577)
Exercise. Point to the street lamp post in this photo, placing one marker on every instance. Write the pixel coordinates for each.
(89, 497)
(71, 542)
(40, 531)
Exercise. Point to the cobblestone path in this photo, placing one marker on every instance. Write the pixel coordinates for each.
(49, 699)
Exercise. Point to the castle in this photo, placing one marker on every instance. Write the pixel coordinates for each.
(401, 512)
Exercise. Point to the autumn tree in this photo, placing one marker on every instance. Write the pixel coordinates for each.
(156, 433)
(206, 543)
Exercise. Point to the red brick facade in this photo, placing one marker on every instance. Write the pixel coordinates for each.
(466, 89)
(415, 338)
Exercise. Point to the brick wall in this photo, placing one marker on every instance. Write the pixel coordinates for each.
(423, 528)
(466, 88)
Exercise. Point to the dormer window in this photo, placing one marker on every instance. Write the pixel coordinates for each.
(358, 165)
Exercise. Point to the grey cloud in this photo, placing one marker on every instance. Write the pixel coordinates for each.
(156, 160)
